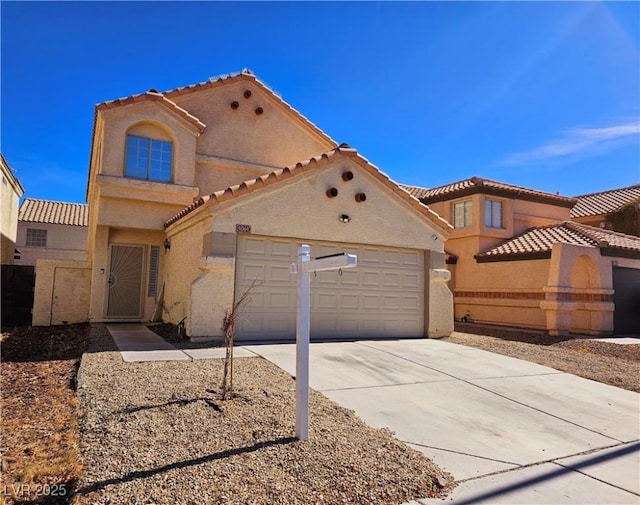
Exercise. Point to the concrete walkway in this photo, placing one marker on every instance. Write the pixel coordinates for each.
(509, 431)
(138, 343)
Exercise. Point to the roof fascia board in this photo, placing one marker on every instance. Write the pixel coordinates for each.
(542, 255)
(505, 193)
(619, 252)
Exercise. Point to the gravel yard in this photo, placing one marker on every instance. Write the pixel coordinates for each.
(614, 364)
(157, 433)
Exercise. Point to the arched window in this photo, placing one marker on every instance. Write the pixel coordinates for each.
(149, 154)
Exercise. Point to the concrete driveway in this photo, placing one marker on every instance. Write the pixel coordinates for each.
(509, 431)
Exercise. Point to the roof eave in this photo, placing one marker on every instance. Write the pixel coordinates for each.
(541, 255)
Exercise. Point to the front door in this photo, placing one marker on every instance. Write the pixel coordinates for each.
(125, 281)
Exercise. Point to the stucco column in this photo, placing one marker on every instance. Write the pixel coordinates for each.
(211, 295)
(558, 307)
(100, 267)
(439, 299)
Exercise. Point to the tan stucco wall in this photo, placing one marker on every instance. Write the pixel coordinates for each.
(64, 242)
(118, 121)
(61, 292)
(274, 139)
(298, 209)
(10, 193)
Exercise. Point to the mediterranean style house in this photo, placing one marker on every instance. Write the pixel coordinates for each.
(598, 209)
(525, 258)
(196, 193)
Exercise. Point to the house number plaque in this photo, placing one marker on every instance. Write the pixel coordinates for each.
(243, 228)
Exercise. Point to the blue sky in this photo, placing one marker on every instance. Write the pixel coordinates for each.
(542, 94)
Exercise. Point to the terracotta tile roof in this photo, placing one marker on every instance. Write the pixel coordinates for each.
(605, 202)
(155, 97)
(537, 242)
(279, 175)
(415, 191)
(480, 185)
(46, 211)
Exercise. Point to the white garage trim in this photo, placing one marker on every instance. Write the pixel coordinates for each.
(384, 296)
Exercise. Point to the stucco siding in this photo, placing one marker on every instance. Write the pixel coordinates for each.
(61, 292)
(118, 121)
(64, 242)
(300, 209)
(274, 138)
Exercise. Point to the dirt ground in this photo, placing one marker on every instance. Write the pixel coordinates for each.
(39, 430)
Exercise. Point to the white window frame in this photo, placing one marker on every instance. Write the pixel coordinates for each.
(494, 213)
(462, 213)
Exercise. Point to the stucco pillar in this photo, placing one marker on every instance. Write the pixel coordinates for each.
(100, 267)
(439, 310)
(211, 296)
(558, 307)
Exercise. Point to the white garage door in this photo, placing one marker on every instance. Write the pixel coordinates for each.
(382, 296)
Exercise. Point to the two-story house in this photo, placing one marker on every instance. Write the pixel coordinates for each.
(615, 209)
(518, 260)
(196, 192)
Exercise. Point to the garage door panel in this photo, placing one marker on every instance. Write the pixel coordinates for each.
(254, 246)
(279, 300)
(282, 249)
(279, 273)
(382, 296)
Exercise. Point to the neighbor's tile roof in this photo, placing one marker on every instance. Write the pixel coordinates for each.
(537, 242)
(605, 202)
(46, 211)
(415, 191)
(280, 175)
(479, 185)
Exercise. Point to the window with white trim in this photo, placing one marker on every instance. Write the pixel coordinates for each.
(462, 214)
(36, 237)
(148, 158)
(493, 213)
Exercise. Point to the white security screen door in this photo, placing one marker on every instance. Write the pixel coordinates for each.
(125, 281)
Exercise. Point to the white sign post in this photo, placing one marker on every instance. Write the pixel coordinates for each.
(303, 267)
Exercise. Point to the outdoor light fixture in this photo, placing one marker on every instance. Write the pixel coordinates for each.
(167, 244)
(344, 218)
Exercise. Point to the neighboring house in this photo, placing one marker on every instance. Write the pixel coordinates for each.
(10, 193)
(51, 230)
(517, 260)
(196, 192)
(600, 209)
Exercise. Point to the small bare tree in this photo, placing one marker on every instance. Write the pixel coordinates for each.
(228, 335)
